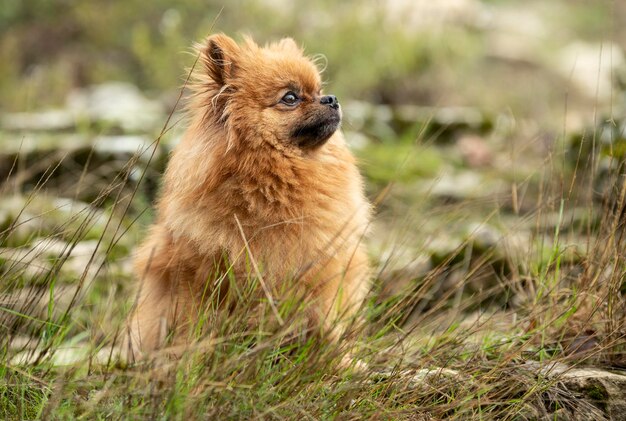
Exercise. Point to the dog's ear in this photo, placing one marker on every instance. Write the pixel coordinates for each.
(288, 44)
(220, 57)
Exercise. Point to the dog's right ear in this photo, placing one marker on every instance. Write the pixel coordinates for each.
(220, 57)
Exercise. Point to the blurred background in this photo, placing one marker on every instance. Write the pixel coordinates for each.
(498, 55)
(482, 127)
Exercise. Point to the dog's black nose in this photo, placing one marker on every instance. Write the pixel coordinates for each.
(330, 100)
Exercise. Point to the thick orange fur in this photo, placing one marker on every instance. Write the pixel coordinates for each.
(239, 177)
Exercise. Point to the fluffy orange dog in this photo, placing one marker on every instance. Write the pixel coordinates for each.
(262, 174)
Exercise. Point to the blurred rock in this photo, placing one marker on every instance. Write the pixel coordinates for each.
(364, 117)
(356, 114)
(20, 267)
(591, 67)
(50, 120)
(605, 142)
(16, 144)
(35, 301)
(84, 260)
(475, 151)
(577, 218)
(20, 227)
(445, 248)
(466, 185)
(22, 342)
(444, 122)
(356, 140)
(596, 394)
(505, 246)
(605, 390)
(79, 259)
(118, 145)
(400, 271)
(386, 122)
(483, 235)
(81, 166)
(33, 218)
(126, 146)
(117, 103)
(50, 247)
(517, 245)
(516, 33)
(49, 258)
(421, 15)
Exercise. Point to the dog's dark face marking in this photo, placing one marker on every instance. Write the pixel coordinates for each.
(318, 128)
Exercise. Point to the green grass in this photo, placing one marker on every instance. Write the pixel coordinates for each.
(436, 346)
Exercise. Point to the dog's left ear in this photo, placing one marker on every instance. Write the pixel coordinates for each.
(220, 55)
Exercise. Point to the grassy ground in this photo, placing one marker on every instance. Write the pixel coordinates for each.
(473, 333)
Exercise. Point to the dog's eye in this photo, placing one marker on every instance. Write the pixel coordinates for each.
(290, 98)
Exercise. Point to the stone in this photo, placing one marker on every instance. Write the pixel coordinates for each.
(19, 266)
(80, 166)
(34, 302)
(465, 185)
(475, 151)
(80, 259)
(127, 146)
(416, 16)
(483, 235)
(41, 216)
(517, 33)
(605, 390)
(369, 119)
(443, 121)
(119, 104)
(602, 392)
(591, 67)
(48, 120)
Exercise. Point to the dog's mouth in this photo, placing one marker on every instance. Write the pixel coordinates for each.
(313, 134)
